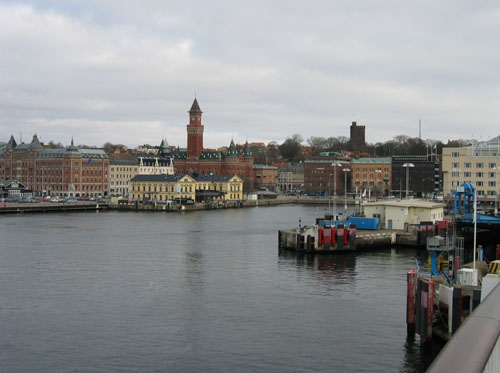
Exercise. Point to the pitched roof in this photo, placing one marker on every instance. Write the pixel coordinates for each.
(35, 143)
(195, 108)
(12, 143)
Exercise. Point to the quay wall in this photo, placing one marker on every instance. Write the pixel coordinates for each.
(47, 207)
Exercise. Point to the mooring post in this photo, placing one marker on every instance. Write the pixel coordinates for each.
(410, 301)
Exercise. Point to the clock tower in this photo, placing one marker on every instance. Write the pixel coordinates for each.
(194, 132)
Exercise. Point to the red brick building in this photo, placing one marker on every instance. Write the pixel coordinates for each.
(197, 160)
(62, 172)
(323, 174)
(266, 177)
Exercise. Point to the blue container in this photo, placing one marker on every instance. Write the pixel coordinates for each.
(364, 223)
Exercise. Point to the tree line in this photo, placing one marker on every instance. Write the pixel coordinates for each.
(293, 150)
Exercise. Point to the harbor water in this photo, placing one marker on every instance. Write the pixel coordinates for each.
(199, 291)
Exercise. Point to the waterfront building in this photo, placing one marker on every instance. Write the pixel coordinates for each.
(266, 177)
(197, 160)
(478, 164)
(68, 171)
(226, 187)
(323, 174)
(373, 174)
(121, 171)
(291, 178)
(423, 174)
(397, 214)
(123, 167)
(202, 187)
(13, 188)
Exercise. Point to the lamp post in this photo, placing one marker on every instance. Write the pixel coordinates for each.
(497, 168)
(329, 194)
(379, 176)
(407, 165)
(334, 165)
(346, 170)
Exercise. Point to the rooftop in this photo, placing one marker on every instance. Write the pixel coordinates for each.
(372, 160)
(422, 203)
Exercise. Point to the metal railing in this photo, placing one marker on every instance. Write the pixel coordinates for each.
(475, 347)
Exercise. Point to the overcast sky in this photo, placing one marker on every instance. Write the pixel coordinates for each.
(127, 71)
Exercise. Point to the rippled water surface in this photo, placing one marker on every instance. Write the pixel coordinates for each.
(201, 291)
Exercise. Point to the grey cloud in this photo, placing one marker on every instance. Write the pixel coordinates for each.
(261, 69)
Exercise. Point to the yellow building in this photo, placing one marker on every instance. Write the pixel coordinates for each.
(478, 164)
(120, 174)
(169, 187)
(229, 187)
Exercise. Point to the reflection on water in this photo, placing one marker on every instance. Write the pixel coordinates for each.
(330, 262)
(418, 358)
(194, 271)
(203, 291)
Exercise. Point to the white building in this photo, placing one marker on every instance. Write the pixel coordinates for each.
(155, 165)
(394, 214)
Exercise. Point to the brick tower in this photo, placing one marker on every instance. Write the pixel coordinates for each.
(194, 132)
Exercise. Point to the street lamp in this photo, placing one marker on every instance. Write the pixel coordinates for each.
(407, 165)
(329, 194)
(379, 176)
(498, 189)
(346, 170)
(334, 165)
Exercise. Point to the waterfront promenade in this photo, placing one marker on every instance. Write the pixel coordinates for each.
(15, 207)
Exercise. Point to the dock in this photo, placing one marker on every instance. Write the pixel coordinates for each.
(47, 207)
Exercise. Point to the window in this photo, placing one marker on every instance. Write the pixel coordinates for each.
(491, 174)
(455, 164)
(492, 183)
(455, 174)
(479, 165)
(455, 154)
(467, 174)
(492, 165)
(479, 174)
(479, 183)
(468, 165)
(492, 193)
